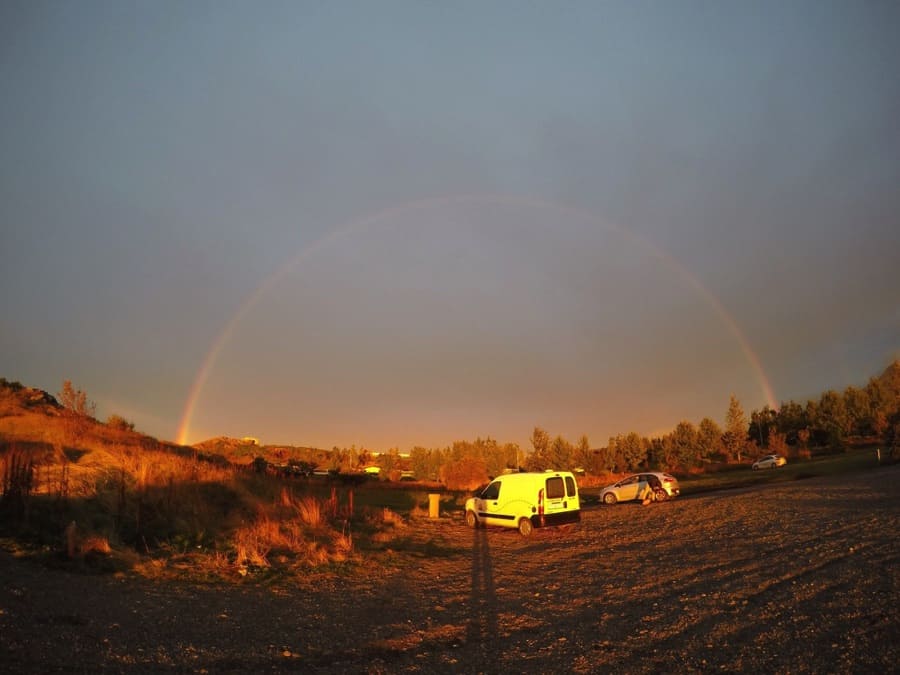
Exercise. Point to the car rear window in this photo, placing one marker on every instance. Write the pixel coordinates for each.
(556, 489)
(571, 489)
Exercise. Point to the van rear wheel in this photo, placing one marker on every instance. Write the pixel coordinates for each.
(525, 527)
(471, 519)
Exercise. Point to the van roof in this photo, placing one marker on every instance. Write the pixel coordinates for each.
(531, 474)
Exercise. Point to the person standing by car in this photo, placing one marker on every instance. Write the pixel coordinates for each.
(651, 491)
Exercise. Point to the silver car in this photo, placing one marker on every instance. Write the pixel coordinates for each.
(769, 462)
(662, 486)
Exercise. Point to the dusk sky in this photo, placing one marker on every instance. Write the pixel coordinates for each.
(392, 224)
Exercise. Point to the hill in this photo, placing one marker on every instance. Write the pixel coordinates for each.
(243, 451)
(85, 489)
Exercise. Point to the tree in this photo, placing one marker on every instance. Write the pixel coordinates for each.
(776, 443)
(803, 443)
(78, 410)
(539, 459)
(735, 437)
(628, 452)
(390, 464)
(760, 424)
(465, 473)
(583, 453)
(831, 419)
(892, 437)
(682, 445)
(860, 420)
(602, 461)
(425, 464)
(561, 454)
(75, 401)
(709, 439)
(791, 418)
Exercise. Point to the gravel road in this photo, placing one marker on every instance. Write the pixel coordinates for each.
(799, 577)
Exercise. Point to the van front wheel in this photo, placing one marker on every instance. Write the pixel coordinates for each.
(525, 527)
(471, 519)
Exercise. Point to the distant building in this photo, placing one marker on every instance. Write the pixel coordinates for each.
(250, 440)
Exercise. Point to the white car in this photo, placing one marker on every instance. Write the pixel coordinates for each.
(664, 486)
(769, 462)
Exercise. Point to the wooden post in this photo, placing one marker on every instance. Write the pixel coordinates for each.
(434, 505)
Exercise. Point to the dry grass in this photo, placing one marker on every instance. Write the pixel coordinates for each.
(125, 491)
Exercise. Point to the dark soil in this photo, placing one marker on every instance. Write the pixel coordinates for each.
(800, 577)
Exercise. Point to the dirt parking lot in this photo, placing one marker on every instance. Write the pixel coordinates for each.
(799, 577)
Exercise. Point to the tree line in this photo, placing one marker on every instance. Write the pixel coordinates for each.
(868, 414)
(858, 414)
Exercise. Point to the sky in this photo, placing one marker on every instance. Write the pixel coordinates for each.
(390, 224)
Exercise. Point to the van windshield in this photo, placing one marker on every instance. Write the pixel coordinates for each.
(492, 491)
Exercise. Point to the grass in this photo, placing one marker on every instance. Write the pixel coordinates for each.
(851, 461)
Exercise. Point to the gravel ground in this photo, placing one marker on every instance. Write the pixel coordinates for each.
(800, 577)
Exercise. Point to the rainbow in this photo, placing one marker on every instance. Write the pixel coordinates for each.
(358, 225)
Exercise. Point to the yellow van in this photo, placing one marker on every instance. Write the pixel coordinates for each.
(526, 501)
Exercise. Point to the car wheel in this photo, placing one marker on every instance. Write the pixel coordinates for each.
(525, 527)
(660, 495)
(471, 519)
(609, 498)
(754, 467)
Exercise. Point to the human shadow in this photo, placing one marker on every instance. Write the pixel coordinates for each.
(481, 631)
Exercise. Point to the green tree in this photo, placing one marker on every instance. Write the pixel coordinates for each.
(735, 436)
(803, 443)
(602, 461)
(512, 456)
(892, 437)
(776, 443)
(656, 454)
(561, 454)
(390, 464)
(791, 418)
(425, 464)
(832, 419)
(539, 459)
(709, 439)
(629, 451)
(465, 473)
(861, 421)
(583, 454)
(685, 445)
(761, 422)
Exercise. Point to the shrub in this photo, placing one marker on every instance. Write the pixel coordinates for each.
(464, 474)
(119, 423)
(16, 482)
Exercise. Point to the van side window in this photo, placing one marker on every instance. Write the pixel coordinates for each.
(555, 488)
(571, 490)
(492, 491)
